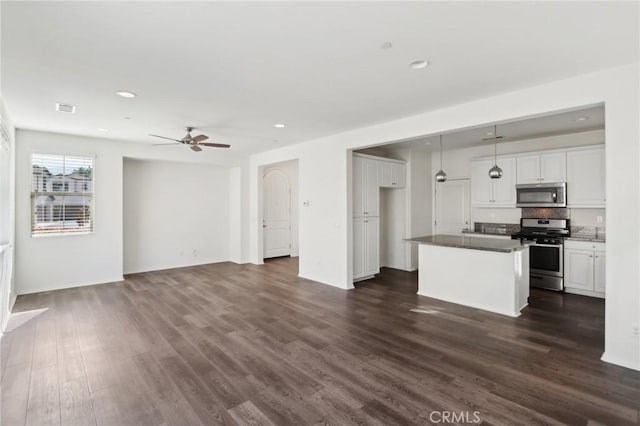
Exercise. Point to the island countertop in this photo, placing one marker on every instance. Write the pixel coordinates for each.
(472, 243)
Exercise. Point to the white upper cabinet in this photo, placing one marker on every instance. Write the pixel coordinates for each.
(358, 186)
(385, 174)
(504, 189)
(372, 190)
(392, 174)
(541, 168)
(399, 173)
(366, 194)
(553, 167)
(369, 174)
(487, 192)
(481, 186)
(528, 168)
(586, 178)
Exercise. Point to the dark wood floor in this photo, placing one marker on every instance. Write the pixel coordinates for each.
(229, 344)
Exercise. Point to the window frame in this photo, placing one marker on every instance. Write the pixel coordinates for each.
(32, 196)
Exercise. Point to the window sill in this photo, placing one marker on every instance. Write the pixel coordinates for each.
(62, 234)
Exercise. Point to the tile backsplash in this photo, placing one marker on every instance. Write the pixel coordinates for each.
(584, 218)
(546, 213)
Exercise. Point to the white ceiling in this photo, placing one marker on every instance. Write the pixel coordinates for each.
(234, 69)
(531, 128)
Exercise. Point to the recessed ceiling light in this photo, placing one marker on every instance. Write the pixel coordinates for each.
(386, 45)
(427, 143)
(279, 125)
(418, 64)
(126, 94)
(127, 118)
(582, 118)
(68, 108)
(101, 129)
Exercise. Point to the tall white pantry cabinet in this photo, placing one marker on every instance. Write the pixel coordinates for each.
(369, 175)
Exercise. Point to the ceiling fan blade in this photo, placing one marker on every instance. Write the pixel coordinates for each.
(160, 144)
(199, 138)
(196, 148)
(163, 137)
(216, 145)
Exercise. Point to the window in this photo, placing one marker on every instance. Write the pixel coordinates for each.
(61, 194)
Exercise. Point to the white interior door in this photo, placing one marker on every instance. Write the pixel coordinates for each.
(452, 206)
(276, 214)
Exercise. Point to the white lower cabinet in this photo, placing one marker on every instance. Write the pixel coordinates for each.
(366, 247)
(584, 268)
(599, 271)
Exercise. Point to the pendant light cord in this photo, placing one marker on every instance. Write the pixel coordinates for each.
(440, 152)
(495, 144)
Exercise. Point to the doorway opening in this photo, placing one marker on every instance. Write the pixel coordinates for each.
(452, 206)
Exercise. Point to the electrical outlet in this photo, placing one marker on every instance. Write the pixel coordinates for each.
(305, 204)
(599, 219)
(195, 253)
(635, 330)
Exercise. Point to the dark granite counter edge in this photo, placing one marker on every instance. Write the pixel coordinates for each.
(587, 239)
(470, 232)
(468, 246)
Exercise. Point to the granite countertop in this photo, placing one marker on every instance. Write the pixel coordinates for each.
(470, 242)
(587, 238)
(497, 233)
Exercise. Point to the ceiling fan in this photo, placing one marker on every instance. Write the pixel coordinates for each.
(194, 142)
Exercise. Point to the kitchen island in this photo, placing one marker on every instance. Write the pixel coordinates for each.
(484, 273)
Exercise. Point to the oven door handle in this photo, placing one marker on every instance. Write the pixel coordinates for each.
(547, 245)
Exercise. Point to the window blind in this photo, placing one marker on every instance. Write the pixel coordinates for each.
(61, 194)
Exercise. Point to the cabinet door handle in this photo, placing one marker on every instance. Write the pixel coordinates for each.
(590, 256)
(597, 257)
(541, 178)
(366, 212)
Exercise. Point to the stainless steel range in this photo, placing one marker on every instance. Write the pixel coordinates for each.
(546, 263)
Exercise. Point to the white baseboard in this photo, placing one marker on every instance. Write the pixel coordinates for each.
(621, 362)
(74, 285)
(341, 287)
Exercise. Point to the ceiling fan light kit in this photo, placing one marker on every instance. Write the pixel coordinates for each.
(194, 142)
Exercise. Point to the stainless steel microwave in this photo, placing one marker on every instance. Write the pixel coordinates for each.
(542, 195)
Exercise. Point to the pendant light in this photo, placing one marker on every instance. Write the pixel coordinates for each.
(441, 176)
(495, 172)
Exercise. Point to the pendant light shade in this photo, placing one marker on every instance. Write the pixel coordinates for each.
(441, 176)
(495, 172)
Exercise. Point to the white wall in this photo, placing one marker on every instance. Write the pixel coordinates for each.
(53, 262)
(175, 214)
(7, 215)
(290, 169)
(325, 180)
